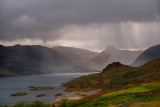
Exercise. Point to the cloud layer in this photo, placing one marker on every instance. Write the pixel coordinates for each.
(91, 24)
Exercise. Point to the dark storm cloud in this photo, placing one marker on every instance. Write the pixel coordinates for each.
(128, 35)
(41, 18)
(158, 6)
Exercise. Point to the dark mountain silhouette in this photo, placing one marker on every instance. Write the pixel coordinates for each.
(32, 60)
(112, 54)
(25, 60)
(148, 55)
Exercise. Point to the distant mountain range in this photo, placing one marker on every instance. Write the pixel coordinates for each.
(148, 55)
(111, 55)
(76, 55)
(27, 60)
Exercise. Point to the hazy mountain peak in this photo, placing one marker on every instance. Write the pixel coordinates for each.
(76, 55)
(111, 54)
(110, 50)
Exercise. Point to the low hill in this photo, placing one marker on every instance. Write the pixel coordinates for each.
(148, 55)
(121, 86)
(117, 75)
(111, 55)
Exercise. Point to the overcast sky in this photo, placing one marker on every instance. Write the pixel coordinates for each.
(88, 24)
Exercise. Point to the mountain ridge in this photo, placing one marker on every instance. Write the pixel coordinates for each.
(148, 55)
(35, 59)
(110, 55)
(76, 55)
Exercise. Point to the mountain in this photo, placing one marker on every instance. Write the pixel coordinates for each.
(76, 55)
(121, 86)
(116, 75)
(148, 55)
(25, 60)
(112, 54)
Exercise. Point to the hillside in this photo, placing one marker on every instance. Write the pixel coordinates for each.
(24, 60)
(116, 75)
(122, 86)
(148, 55)
(76, 55)
(144, 95)
(27, 60)
(111, 55)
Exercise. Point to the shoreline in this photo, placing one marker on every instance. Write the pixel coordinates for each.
(81, 90)
(70, 98)
(75, 96)
(48, 94)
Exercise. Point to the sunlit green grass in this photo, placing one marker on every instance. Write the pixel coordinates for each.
(110, 99)
(113, 98)
(140, 88)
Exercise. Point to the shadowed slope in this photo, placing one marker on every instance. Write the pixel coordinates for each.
(24, 60)
(148, 55)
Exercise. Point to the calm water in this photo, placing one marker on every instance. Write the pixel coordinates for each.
(10, 85)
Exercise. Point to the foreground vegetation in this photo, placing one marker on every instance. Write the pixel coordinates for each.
(122, 86)
(34, 104)
(147, 94)
(118, 76)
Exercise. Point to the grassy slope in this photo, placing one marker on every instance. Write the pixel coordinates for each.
(148, 93)
(122, 85)
(117, 75)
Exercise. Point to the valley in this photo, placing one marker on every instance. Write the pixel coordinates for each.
(117, 85)
(79, 53)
